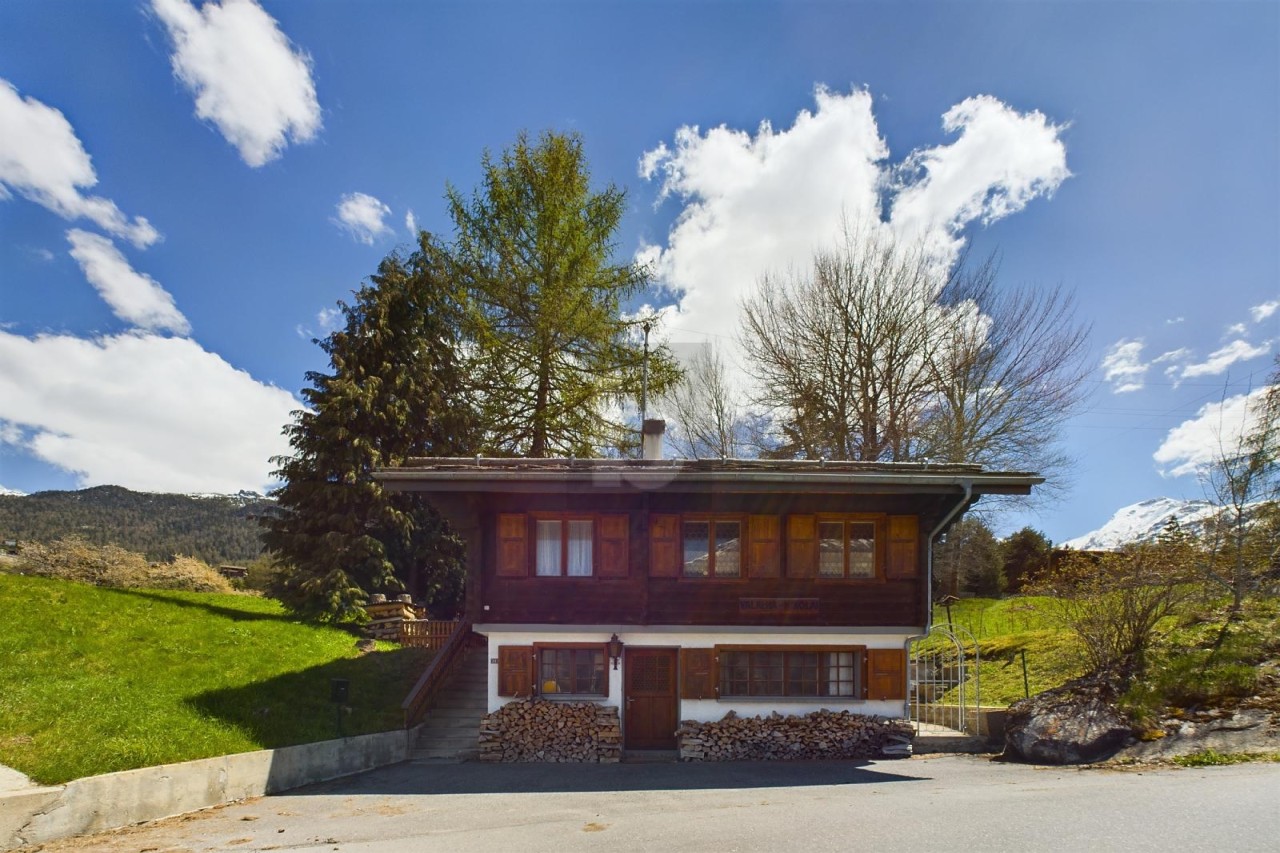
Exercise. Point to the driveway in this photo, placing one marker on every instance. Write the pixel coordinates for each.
(936, 803)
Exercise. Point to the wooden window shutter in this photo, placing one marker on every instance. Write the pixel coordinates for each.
(615, 546)
(515, 671)
(698, 674)
(802, 546)
(513, 545)
(886, 674)
(904, 553)
(764, 558)
(664, 546)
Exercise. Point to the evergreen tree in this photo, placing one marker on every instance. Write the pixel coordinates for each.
(397, 389)
(1026, 554)
(555, 358)
(967, 563)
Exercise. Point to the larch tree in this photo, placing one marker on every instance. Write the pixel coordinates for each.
(555, 359)
(397, 388)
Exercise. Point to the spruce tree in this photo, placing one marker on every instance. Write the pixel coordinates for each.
(397, 388)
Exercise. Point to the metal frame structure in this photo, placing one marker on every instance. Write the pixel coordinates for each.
(939, 663)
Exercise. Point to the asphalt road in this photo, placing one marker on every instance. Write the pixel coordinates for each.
(951, 803)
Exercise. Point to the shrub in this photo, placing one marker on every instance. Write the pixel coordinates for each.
(1114, 601)
(74, 559)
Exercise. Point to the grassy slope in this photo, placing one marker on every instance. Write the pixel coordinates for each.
(1004, 629)
(1189, 665)
(94, 680)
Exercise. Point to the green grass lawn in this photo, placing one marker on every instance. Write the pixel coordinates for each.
(94, 680)
(1006, 628)
(1189, 663)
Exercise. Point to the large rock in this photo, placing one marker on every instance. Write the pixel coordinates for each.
(1076, 723)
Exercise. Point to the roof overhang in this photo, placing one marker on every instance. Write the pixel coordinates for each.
(476, 476)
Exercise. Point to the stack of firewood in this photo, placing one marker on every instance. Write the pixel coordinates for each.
(543, 730)
(822, 734)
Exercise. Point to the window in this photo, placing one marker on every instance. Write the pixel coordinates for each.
(712, 548)
(846, 549)
(564, 546)
(572, 671)
(789, 673)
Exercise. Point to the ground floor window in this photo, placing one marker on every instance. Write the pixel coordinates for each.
(788, 673)
(573, 671)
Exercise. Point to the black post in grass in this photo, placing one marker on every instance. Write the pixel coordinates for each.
(339, 691)
(1026, 684)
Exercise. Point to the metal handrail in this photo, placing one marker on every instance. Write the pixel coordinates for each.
(436, 674)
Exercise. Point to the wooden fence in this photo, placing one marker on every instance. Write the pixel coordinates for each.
(426, 633)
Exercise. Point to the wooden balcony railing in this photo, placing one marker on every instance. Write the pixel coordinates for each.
(426, 633)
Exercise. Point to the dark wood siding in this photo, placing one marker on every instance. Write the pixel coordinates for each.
(647, 587)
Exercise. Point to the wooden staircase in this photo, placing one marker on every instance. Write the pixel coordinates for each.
(451, 728)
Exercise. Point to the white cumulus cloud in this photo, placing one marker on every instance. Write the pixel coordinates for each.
(42, 160)
(1123, 366)
(763, 202)
(148, 412)
(133, 296)
(363, 217)
(1215, 431)
(411, 223)
(1001, 160)
(247, 77)
(1265, 310)
(1219, 360)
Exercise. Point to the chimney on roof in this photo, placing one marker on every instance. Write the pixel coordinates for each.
(651, 438)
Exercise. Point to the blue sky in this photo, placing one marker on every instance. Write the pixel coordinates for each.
(186, 190)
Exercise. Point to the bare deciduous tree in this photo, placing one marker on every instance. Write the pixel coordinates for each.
(708, 420)
(1242, 538)
(881, 353)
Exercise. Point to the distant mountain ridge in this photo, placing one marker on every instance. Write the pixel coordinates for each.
(1142, 522)
(218, 529)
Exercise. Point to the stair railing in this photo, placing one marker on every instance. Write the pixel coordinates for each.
(436, 674)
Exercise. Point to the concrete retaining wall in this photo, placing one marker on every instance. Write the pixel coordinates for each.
(97, 803)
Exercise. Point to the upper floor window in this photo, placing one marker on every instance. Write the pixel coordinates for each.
(846, 549)
(564, 547)
(712, 548)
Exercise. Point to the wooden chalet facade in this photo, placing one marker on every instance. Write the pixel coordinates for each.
(744, 585)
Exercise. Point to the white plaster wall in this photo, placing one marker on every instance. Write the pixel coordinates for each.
(703, 710)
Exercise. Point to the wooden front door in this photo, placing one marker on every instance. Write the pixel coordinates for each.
(649, 696)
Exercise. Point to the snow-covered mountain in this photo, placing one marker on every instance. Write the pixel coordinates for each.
(1142, 521)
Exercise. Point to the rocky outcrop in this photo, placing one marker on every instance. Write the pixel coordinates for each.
(1076, 723)
(821, 734)
(1247, 730)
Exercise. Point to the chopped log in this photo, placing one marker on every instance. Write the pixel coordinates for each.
(821, 734)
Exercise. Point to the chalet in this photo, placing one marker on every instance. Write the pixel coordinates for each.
(680, 590)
